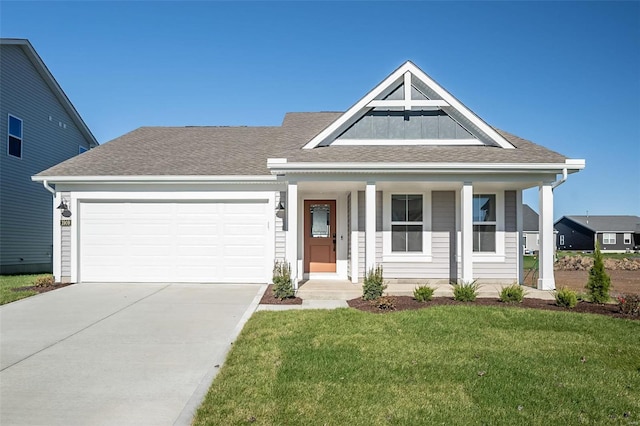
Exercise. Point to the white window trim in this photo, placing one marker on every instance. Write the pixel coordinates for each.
(499, 254)
(387, 254)
(608, 240)
(561, 242)
(626, 238)
(21, 136)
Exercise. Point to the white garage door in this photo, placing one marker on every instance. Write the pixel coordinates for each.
(173, 242)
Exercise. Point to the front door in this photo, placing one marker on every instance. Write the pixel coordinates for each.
(320, 236)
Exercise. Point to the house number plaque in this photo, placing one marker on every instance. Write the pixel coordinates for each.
(65, 222)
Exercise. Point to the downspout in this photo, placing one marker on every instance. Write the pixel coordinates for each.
(559, 182)
(48, 188)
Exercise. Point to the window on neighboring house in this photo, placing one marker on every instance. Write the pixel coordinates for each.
(14, 140)
(406, 223)
(484, 222)
(561, 240)
(627, 238)
(608, 238)
(82, 149)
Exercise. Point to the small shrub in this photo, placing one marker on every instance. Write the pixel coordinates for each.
(423, 293)
(629, 304)
(385, 303)
(282, 284)
(566, 298)
(373, 285)
(512, 294)
(599, 281)
(465, 291)
(44, 281)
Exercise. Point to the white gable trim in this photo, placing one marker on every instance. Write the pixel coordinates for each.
(406, 142)
(404, 73)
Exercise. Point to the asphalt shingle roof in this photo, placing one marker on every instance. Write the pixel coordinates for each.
(608, 223)
(188, 151)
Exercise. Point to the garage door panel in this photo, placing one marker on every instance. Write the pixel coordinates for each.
(173, 242)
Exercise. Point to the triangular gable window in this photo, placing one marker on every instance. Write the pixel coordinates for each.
(408, 108)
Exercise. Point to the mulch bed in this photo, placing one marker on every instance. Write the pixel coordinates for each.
(42, 289)
(269, 299)
(403, 303)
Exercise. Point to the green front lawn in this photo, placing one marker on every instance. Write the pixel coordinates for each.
(9, 282)
(442, 365)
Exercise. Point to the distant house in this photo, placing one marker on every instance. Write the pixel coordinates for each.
(530, 223)
(614, 233)
(39, 127)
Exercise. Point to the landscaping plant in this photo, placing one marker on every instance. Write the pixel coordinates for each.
(566, 298)
(423, 293)
(512, 294)
(44, 281)
(599, 281)
(282, 284)
(465, 291)
(629, 304)
(385, 303)
(373, 285)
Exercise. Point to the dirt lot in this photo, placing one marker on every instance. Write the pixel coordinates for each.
(621, 281)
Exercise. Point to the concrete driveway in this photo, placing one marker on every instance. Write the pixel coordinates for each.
(116, 354)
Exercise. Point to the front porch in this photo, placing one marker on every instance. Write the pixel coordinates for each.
(346, 290)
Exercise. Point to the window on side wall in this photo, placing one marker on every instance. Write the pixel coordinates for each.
(406, 223)
(608, 238)
(484, 223)
(627, 238)
(561, 240)
(14, 137)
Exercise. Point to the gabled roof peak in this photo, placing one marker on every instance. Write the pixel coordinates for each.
(411, 90)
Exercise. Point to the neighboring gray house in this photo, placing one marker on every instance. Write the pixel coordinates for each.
(530, 222)
(614, 233)
(39, 127)
(407, 178)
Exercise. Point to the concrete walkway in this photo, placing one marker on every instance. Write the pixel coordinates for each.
(116, 354)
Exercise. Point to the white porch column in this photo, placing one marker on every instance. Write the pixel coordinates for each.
(370, 226)
(466, 222)
(292, 230)
(354, 237)
(546, 279)
(520, 238)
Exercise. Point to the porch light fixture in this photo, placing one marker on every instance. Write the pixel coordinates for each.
(65, 209)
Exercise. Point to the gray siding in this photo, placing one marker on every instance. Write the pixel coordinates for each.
(384, 124)
(65, 248)
(442, 266)
(507, 270)
(25, 206)
(280, 237)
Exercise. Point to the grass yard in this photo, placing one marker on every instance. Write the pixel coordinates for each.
(9, 282)
(442, 365)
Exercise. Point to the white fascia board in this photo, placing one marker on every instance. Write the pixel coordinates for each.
(406, 142)
(359, 106)
(155, 179)
(422, 167)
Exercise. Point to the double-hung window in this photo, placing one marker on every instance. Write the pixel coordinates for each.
(484, 223)
(406, 223)
(14, 139)
(627, 239)
(608, 238)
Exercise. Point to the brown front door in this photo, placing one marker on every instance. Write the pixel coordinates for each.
(320, 235)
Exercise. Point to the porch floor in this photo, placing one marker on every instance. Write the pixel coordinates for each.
(346, 290)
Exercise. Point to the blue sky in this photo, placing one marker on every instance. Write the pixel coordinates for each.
(565, 75)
